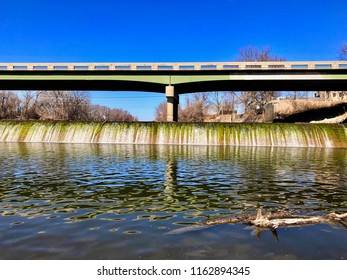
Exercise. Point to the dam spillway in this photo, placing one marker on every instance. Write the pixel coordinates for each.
(233, 134)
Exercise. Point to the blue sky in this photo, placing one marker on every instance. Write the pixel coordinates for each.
(158, 30)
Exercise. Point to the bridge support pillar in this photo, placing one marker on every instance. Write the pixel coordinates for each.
(171, 104)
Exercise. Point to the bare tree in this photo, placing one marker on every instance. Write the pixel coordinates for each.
(253, 102)
(9, 105)
(343, 52)
(63, 105)
(77, 105)
(161, 112)
(196, 109)
(120, 115)
(98, 113)
(103, 113)
(254, 54)
(229, 100)
(51, 105)
(29, 106)
(216, 100)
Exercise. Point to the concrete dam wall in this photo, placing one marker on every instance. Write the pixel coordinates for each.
(252, 134)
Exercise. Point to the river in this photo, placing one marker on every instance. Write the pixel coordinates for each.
(113, 201)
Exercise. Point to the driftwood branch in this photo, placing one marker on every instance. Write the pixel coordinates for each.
(279, 219)
(271, 221)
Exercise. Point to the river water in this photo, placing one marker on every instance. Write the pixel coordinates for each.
(102, 201)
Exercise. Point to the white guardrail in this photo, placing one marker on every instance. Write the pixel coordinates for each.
(177, 66)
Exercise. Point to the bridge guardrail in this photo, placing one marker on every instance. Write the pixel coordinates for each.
(272, 65)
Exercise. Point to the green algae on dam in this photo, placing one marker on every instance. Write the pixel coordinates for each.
(233, 134)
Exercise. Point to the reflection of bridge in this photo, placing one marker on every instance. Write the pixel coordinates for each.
(175, 78)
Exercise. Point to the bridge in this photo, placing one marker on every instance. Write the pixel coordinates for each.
(174, 79)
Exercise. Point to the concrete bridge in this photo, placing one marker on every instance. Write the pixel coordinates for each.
(176, 78)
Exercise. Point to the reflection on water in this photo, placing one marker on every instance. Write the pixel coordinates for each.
(62, 201)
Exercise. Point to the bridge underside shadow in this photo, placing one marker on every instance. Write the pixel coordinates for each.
(85, 85)
(258, 85)
(180, 88)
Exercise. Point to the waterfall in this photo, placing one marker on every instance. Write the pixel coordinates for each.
(237, 134)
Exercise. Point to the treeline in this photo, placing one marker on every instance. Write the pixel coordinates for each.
(57, 105)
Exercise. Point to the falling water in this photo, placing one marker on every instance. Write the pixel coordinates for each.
(279, 134)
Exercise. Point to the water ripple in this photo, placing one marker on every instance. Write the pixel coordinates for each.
(138, 190)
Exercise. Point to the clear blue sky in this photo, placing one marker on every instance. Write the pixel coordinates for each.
(158, 30)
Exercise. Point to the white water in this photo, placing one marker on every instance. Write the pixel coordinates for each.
(290, 135)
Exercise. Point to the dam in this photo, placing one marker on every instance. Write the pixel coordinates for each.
(234, 134)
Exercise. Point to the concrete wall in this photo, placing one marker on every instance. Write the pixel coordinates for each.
(284, 109)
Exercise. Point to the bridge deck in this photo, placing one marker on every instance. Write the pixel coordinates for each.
(274, 65)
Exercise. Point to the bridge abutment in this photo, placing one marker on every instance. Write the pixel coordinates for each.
(172, 104)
